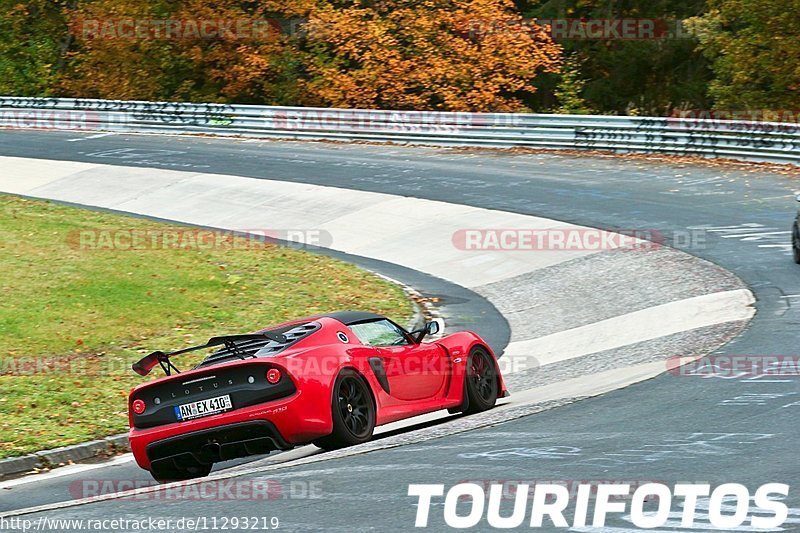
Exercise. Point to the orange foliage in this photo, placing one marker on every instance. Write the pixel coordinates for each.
(403, 54)
(111, 64)
(400, 54)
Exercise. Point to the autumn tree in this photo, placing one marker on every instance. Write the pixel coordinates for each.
(105, 63)
(569, 92)
(33, 43)
(754, 46)
(239, 65)
(430, 54)
(393, 54)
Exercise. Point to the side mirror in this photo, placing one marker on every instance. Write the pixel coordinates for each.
(431, 328)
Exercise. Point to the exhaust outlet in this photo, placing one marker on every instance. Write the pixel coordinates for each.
(212, 449)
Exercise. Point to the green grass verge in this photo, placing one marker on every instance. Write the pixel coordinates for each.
(73, 320)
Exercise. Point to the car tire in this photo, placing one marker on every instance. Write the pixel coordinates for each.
(480, 382)
(179, 473)
(352, 410)
(795, 244)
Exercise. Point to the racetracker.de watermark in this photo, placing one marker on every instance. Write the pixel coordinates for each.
(556, 239)
(56, 119)
(308, 367)
(213, 490)
(131, 28)
(735, 366)
(583, 29)
(749, 121)
(372, 120)
(76, 366)
(146, 522)
(128, 239)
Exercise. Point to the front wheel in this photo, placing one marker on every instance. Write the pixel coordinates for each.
(481, 386)
(353, 412)
(795, 245)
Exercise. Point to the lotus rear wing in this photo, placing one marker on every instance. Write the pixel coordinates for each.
(147, 363)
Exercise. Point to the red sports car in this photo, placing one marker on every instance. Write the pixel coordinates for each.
(327, 380)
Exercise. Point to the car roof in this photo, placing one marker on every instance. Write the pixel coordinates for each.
(349, 318)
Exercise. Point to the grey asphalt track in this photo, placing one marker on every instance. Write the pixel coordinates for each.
(669, 429)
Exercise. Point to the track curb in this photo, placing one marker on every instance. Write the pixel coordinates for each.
(64, 455)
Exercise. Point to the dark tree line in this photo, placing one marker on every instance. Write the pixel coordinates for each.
(481, 55)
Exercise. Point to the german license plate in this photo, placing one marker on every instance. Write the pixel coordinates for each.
(203, 408)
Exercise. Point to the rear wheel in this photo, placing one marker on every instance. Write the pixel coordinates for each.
(182, 472)
(352, 410)
(481, 381)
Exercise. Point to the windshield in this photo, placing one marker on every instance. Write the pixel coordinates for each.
(380, 333)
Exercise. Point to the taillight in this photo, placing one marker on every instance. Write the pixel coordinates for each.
(273, 375)
(138, 406)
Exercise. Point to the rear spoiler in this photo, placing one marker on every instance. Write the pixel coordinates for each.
(147, 363)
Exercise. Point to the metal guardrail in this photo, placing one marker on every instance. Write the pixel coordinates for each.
(753, 141)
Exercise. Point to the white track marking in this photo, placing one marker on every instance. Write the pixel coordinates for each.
(750, 236)
(98, 136)
(639, 326)
(588, 385)
(751, 232)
